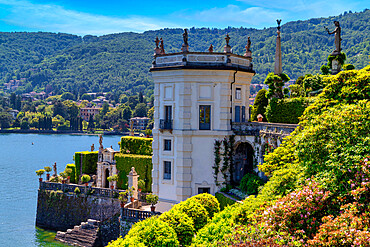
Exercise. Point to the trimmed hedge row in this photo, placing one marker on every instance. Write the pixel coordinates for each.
(89, 162)
(224, 201)
(286, 110)
(136, 145)
(143, 166)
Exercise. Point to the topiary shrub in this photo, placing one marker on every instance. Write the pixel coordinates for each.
(195, 211)
(136, 145)
(143, 166)
(260, 104)
(151, 232)
(89, 162)
(250, 183)
(209, 202)
(182, 224)
(132, 242)
(286, 110)
(73, 173)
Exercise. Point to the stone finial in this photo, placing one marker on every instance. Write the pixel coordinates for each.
(157, 51)
(133, 172)
(162, 47)
(227, 48)
(210, 49)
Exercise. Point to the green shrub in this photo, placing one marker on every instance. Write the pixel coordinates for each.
(250, 183)
(259, 106)
(151, 199)
(136, 145)
(89, 162)
(209, 202)
(195, 211)
(286, 110)
(325, 70)
(131, 242)
(77, 190)
(151, 232)
(85, 178)
(348, 67)
(73, 173)
(182, 224)
(143, 166)
(40, 172)
(214, 232)
(224, 201)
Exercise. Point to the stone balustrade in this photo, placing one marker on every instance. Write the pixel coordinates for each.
(269, 130)
(101, 192)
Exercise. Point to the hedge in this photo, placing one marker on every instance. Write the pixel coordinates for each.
(143, 166)
(209, 202)
(224, 201)
(136, 145)
(89, 163)
(286, 110)
(195, 211)
(259, 106)
(73, 178)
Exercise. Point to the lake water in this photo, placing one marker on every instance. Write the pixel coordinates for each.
(20, 156)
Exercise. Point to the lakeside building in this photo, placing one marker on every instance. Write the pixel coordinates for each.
(139, 123)
(86, 112)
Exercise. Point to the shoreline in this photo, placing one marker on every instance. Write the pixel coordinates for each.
(59, 132)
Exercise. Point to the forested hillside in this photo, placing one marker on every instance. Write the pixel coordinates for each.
(120, 62)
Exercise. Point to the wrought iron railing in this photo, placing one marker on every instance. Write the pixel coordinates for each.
(165, 124)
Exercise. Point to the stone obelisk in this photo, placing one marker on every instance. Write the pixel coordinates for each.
(278, 61)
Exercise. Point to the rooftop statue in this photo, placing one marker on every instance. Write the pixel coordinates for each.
(162, 47)
(227, 38)
(210, 49)
(337, 38)
(156, 43)
(185, 36)
(248, 46)
(278, 22)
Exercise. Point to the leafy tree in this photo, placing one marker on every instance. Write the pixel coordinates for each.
(260, 104)
(5, 120)
(126, 113)
(68, 96)
(140, 110)
(276, 83)
(91, 125)
(59, 109)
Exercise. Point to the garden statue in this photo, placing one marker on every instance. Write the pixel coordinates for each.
(55, 169)
(278, 22)
(92, 147)
(227, 48)
(227, 38)
(248, 46)
(337, 38)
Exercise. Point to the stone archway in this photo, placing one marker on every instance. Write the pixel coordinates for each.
(106, 185)
(243, 161)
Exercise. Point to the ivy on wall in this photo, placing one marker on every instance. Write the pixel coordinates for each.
(227, 145)
(143, 166)
(136, 145)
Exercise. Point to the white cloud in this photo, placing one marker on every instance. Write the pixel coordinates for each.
(55, 18)
(234, 15)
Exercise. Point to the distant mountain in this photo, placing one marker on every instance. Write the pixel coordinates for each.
(120, 62)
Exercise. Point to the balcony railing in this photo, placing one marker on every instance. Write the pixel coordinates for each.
(165, 124)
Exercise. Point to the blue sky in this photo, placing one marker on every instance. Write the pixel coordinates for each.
(99, 17)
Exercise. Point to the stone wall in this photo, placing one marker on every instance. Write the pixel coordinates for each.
(62, 211)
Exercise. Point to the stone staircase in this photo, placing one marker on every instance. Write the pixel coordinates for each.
(84, 235)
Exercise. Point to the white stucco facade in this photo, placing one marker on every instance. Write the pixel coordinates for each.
(197, 96)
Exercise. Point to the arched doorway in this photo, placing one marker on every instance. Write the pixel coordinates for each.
(106, 185)
(243, 161)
